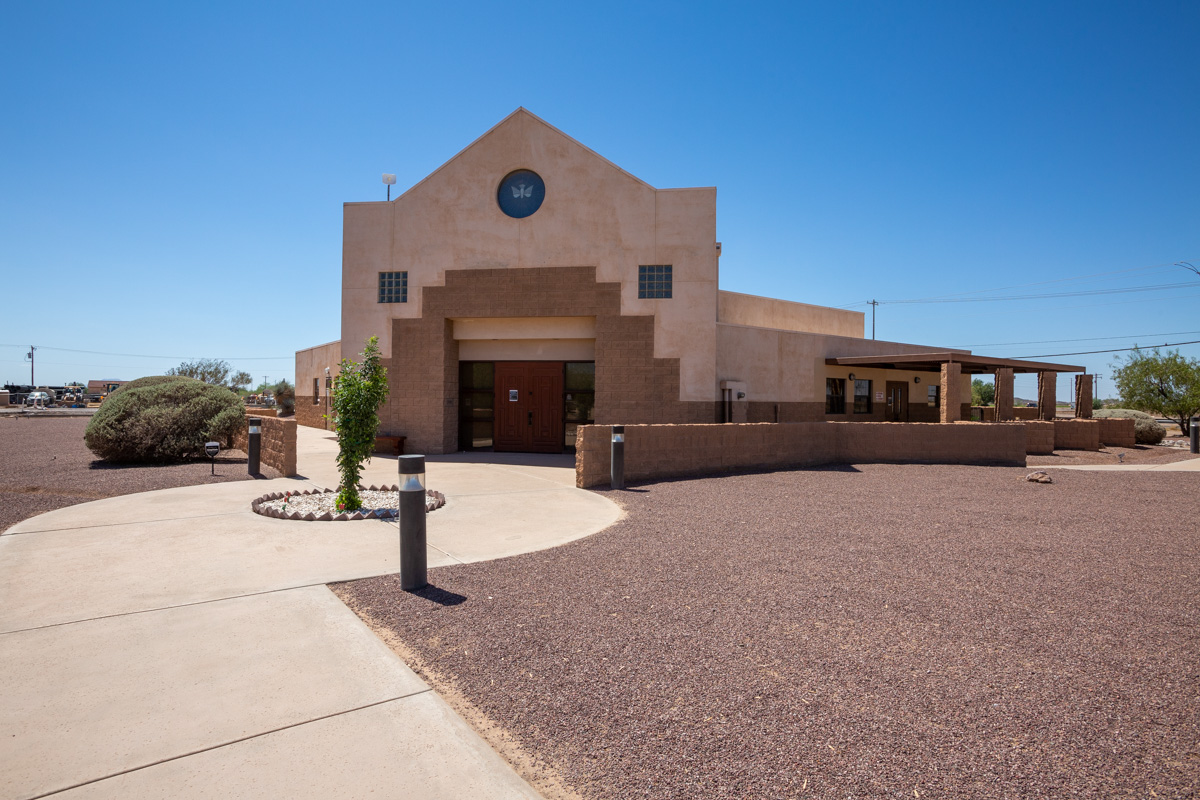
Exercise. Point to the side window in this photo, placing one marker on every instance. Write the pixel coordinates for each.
(934, 395)
(316, 391)
(835, 396)
(862, 397)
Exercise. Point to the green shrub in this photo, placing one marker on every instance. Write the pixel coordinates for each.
(150, 380)
(1146, 429)
(358, 392)
(163, 418)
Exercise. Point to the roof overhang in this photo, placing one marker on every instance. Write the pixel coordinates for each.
(932, 362)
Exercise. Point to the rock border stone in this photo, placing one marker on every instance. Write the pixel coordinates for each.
(434, 500)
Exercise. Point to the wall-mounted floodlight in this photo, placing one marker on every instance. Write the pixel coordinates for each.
(390, 180)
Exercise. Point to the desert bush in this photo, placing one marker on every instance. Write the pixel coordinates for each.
(149, 380)
(1145, 428)
(285, 397)
(165, 418)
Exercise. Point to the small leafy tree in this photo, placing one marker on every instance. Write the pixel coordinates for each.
(209, 370)
(358, 393)
(1167, 384)
(982, 393)
(240, 380)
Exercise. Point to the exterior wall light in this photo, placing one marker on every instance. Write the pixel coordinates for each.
(851, 376)
(916, 379)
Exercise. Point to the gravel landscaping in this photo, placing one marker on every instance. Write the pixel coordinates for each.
(45, 465)
(1140, 454)
(872, 631)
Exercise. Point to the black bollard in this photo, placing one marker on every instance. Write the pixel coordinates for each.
(255, 447)
(617, 474)
(412, 523)
(1194, 427)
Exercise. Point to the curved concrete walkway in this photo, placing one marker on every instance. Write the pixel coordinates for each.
(1190, 465)
(173, 643)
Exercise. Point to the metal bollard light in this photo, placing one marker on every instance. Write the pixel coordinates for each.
(412, 523)
(1195, 435)
(617, 475)
(254, 449)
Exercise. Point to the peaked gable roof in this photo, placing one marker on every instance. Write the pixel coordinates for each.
(521, 114)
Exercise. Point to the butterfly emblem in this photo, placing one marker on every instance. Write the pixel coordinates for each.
(521, 190)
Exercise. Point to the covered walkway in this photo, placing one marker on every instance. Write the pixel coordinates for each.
(951, 366)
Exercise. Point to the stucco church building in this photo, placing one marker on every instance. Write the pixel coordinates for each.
(529, 286)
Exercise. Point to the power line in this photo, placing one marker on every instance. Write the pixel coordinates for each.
(1129, 302)
(1055, 280)
(1092, 339)
(1116, 350)
(1163, 265)
(144, 355)
(1047, 295)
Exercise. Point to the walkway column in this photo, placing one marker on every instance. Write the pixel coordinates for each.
(1047, 395)
(951, 392)
(1004, 395)
(1083, 396)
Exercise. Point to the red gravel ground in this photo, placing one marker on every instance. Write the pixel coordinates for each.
(875, 631)
(1140, 454)
(45, 465)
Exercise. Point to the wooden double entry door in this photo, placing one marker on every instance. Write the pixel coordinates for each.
(529, 407)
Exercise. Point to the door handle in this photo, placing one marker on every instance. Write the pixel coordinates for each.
(530, 417)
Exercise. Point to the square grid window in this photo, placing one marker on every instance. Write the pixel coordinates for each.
(393, 287)
(654, 280)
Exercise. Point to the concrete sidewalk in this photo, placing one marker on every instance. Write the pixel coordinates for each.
(174, 643)
(1191, 465)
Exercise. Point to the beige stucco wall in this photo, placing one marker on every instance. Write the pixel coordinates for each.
(311, 363)
(594, 214)
(736, 308)
(526, 338)
(789, 366)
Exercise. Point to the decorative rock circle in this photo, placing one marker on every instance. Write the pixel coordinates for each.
(319, 505)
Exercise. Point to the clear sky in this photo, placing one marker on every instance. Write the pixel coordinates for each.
(171, 175)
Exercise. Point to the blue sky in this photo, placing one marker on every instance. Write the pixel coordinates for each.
(172, 175)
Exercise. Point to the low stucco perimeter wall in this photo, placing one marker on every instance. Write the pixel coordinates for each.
(277, 447)
(1076, 434)
(1039, 437)
(1117, 432)
(665, 451)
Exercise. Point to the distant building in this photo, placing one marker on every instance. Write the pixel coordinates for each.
(104, 387)
(528, 286)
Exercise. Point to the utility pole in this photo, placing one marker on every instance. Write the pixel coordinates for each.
(32, 382)
(873, 304)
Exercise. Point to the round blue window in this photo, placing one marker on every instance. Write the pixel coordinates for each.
(521, 193)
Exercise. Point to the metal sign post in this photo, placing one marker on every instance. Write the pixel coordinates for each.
(211, 449)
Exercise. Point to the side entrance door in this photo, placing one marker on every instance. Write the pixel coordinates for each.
(897, 401)
(529, 407)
